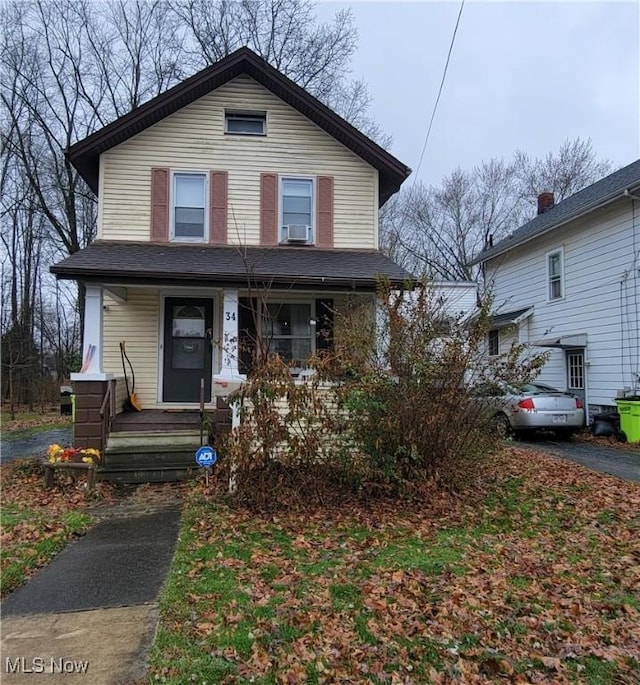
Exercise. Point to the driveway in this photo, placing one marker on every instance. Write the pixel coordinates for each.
(623, 463)
(34, 444)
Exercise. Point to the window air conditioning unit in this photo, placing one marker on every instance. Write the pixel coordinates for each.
(297, 233)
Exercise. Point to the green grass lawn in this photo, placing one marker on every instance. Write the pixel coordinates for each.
(533, 576)
(34, 524)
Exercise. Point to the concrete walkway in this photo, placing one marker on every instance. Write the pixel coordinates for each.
(90, 616)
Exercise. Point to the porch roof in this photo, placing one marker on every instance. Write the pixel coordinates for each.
(197, 265)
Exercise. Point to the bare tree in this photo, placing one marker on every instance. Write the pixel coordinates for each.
(287, 35)
(436, 230)
(572, 168)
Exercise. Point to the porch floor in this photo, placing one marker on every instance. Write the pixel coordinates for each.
(154, 420)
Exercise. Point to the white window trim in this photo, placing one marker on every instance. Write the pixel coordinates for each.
(548, 255)
(297, 177)
(172, 212)
(296, 370)
(247, 114)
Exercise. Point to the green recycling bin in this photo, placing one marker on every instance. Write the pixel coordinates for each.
(629, 411)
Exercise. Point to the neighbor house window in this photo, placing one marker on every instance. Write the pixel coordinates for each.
(494, 342)
(555, 275)
(189, 206)
(296, 210)
(287, 330)
(245, 123)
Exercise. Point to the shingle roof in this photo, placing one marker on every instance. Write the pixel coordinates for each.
(198, 265)
(508, 318)
(587, 199)
(85, 154)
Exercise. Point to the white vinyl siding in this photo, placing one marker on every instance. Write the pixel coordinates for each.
(600, 280)
(194, 138)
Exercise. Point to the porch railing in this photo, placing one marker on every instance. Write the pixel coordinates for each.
(107, 413)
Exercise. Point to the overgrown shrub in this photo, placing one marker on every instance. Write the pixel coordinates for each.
(391, 408)
(292, 445)
(412, 402)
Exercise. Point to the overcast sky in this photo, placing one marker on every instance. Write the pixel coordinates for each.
(525, 75)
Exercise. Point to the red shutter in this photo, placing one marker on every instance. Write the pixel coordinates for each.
(218, 207)
(324, 208)
(160, 205)
(268, 209)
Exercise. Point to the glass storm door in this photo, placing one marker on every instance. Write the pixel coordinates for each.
(188, 323)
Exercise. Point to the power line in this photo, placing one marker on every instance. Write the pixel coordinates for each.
(435, 106)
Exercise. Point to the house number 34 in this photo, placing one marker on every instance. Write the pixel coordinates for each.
(230, 316)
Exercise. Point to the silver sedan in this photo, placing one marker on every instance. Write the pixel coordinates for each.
(533, 406)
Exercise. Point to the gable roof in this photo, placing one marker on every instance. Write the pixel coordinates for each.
(586, 200)
(85, 154)
(294, 268)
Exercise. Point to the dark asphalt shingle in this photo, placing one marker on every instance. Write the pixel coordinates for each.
(154, 263)
(588, 198)
(505, 318)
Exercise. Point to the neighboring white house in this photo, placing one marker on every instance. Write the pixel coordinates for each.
(569, 281)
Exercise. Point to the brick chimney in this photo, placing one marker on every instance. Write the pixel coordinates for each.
(545, 202)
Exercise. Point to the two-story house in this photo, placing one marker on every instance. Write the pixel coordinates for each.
(234, 200)
(568, 281)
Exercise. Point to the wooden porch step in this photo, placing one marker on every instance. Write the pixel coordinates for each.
(134, 474)
(145, 441)
(149, 463)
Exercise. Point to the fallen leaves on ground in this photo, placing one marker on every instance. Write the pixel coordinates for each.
(36, 522)
(531, 576)
(609, 441)
(27, 421)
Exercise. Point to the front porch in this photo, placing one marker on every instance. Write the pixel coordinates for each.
(160, 444)
(193, 320)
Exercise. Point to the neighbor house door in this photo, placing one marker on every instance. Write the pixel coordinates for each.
(188, 325)
(575, 373)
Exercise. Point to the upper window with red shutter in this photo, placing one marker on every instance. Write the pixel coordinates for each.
(189, 207)
(297, 215)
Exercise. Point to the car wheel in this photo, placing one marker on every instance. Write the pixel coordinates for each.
(501, 426)
(564, 433)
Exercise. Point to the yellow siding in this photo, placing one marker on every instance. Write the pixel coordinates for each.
(136, 322)
(193, 139)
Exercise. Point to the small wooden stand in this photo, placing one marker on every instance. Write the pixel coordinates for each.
(49, 469)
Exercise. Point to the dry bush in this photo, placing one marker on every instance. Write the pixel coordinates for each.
(388, 411)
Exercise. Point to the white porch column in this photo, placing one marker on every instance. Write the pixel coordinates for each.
(229, 373)
(92, 344)
(382, 328)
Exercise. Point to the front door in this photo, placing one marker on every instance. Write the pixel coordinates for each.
(575, 373)
(188, 324)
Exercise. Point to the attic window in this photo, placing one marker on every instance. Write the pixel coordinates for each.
(245, 123)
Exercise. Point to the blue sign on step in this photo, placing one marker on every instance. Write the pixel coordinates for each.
(206, 456)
